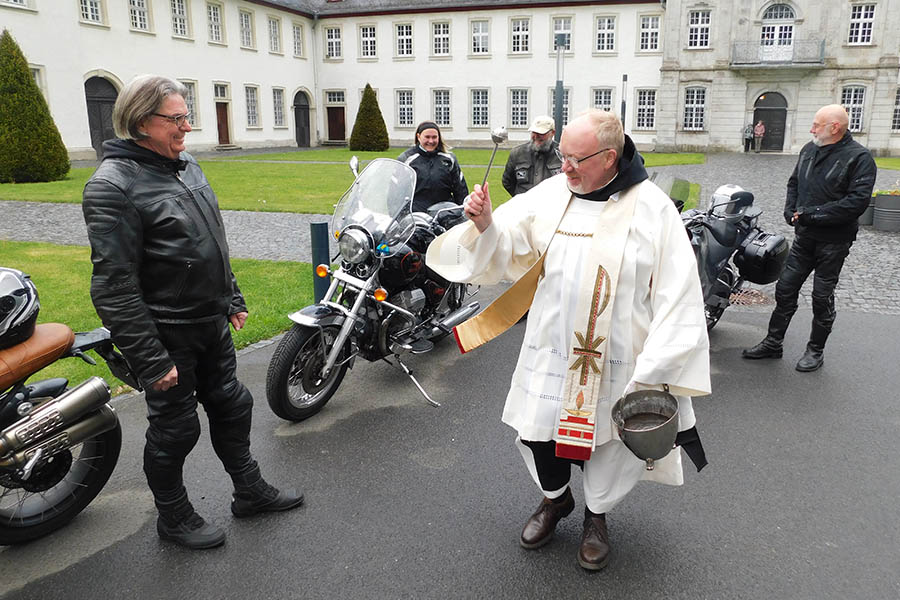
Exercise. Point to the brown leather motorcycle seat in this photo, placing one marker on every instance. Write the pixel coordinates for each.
(48, 343)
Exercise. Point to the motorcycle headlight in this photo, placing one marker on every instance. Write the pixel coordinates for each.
(354, 245)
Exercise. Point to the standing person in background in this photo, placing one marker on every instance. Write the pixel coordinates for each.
(163, 285)
(438, 176)
(534, 161)
(830, 188)
(748, 137)
(759, 132)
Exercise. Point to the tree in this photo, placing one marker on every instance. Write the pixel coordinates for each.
(369, 131)
(31, 148)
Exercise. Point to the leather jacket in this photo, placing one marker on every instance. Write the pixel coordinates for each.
(527, 168)
(159, 251)
(438, 178)
(831, 186)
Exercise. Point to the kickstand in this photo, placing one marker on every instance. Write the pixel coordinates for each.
(409, 373)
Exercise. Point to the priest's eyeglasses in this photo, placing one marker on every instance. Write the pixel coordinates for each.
(576, 161)
(179, 120)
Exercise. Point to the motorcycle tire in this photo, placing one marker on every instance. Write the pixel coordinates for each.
(27, 514)
(293, 390)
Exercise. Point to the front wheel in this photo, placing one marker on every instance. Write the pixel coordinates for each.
(58, 490)
(295, 387)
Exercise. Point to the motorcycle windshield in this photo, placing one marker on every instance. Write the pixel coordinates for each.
(380, 202)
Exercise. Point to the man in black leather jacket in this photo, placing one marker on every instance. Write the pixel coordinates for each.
(830, 188)
(534, 161)
(163, 285)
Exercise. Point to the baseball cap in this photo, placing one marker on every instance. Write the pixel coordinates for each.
(542, 125)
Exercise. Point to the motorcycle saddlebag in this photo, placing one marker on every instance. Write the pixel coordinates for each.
(762, 256)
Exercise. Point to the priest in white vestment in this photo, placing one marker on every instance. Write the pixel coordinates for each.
(616, 306)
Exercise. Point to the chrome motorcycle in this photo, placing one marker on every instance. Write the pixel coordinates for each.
(731, 249)
(383, 301)
(58, 446)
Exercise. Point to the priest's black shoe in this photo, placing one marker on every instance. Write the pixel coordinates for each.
(593, 554)
(767, 348)
(191, 532)
(262, 497)
(811, 360)
(540, 526)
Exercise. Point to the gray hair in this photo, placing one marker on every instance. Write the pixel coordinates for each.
(608, 129)
(139, 100)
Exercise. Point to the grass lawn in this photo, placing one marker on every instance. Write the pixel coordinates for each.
(888, 163)
(62, 275)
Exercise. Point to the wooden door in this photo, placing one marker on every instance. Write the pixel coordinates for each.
(336, 128)
(301, 119)
(222, 122)
(101, 97)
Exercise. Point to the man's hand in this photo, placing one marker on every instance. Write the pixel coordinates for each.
(238, 320)
(477, 207)
(169, 380)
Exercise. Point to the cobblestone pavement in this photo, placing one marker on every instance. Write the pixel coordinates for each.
(870, 280)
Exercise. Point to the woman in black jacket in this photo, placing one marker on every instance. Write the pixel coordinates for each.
(438, 176)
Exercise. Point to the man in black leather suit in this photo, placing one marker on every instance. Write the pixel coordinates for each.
(163, 285)
(830, 188)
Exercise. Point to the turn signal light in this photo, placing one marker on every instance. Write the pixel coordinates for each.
(380, 294)
(322, 270)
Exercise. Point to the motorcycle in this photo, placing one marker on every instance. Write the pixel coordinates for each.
(383, 301)
(731, 249)
(58, 446)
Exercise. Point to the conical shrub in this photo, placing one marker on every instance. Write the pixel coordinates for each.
(31, 148)
(369, 131)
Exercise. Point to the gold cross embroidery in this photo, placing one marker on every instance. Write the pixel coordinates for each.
(587, 349)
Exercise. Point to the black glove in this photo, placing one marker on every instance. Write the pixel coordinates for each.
(806, 218)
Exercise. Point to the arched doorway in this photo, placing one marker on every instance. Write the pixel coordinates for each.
(771, 109)
(301, 119)
(101, 97)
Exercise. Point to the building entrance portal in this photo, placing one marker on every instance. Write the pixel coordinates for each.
(101, 97)
(771, 109)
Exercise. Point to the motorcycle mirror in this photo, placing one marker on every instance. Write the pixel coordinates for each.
(354, 165)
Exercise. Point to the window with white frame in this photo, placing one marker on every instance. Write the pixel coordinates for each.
(245, 24)
(334, 97)
(481, 37)
(862, 17)
(15, 2)
(333, 48)
(645, 115)
(895, 121)
(602, 98)
(694, 108)
(220, 91)
(214, 25)
(480, 108)
(649, 33)
(853, 99)
(405, 108)
(520, 36)
(275, 35)
(562, 25)
(298, 39)
(441, 107)
(181, 24)
(190, 99)
(606, 34)
(518, 108)
(367, 41)
(37, 72)
(565, 105)
(278, 107)
(440, 33)
(251, 94)
(404, 39)
(777, 30)
(92, 11)
(698, 28)
(140, 15)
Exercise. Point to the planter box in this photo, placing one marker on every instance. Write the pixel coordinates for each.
(886, 216)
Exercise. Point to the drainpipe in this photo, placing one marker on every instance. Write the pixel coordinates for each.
(315, 62)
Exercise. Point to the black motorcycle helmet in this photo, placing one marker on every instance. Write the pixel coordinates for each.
(19, 307)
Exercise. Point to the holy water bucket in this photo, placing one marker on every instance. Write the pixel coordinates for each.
(647, 421)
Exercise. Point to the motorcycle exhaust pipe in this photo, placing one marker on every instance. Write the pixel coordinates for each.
(455, 318)
(52, 416)
(99, 422)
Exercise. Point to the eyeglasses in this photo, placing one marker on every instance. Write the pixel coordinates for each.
(179, 120)
(576, 161)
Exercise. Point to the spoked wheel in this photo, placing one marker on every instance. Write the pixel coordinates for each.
(295, 387)
(58, 490)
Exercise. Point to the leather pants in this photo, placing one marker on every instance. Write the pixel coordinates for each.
(808, 255)
(205, 358)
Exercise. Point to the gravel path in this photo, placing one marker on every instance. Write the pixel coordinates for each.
(870, 280)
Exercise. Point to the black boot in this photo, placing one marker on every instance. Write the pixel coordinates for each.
(259, 496)
(812, 359)
(768, 348)
(179, 523)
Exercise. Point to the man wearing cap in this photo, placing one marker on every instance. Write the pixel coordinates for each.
(534, 161)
